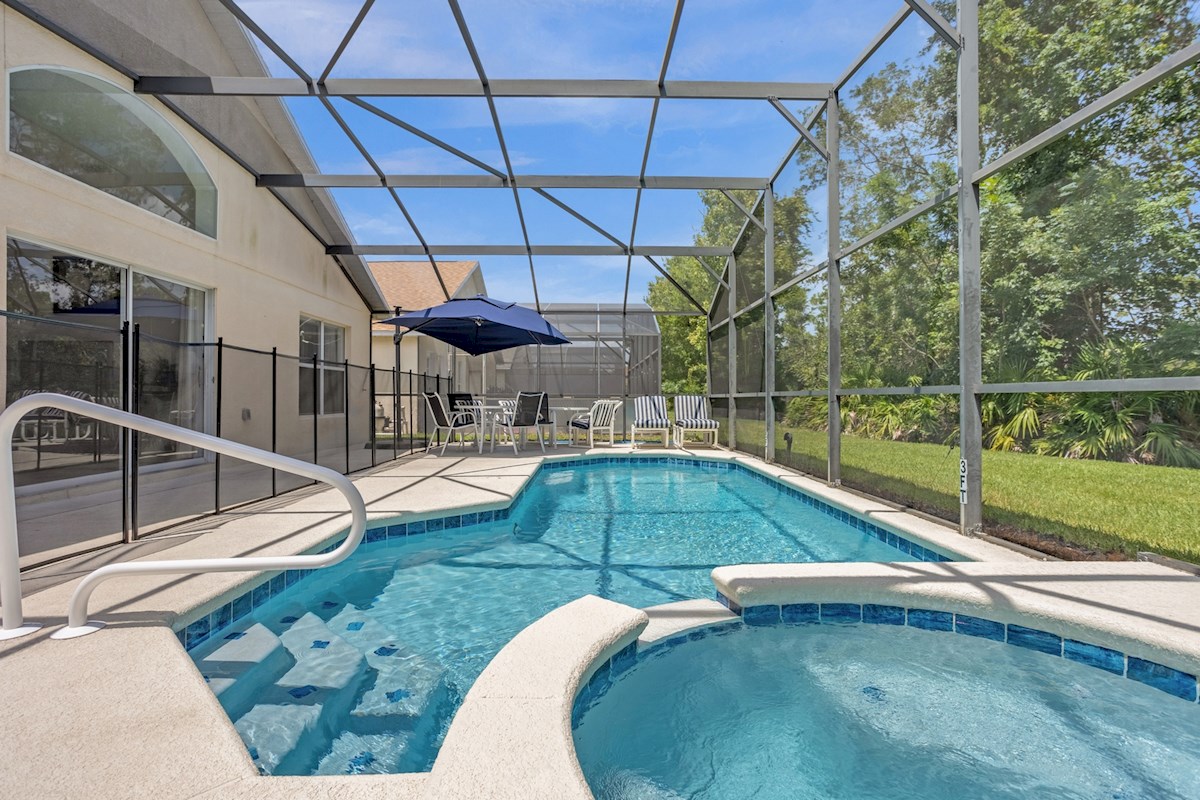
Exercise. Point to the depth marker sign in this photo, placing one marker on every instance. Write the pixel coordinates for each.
(962, 481)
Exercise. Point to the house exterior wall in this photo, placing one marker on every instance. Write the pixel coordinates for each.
(262, 271)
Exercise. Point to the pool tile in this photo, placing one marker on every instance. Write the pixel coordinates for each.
(981, 628)
(1172, 681)
(235, 635)
(416, 527)
(375, 535)
(300, 692)
(1033, 639)
(841, 613)
(453, 522)
(1094, 656)
(625, 658)
(470, 519)
(261, 594)
(291, 577)
(221, 618)
(277, 584)
(397, 531)
(319, 644)
(761, 615)
(354, 626)
(197, 632)
(800, 613)
(729, 603)
(386, 651)
(882, 615)
(241, 606)
(396, 695)
(434, 525)
(929, 620)
(487, 516)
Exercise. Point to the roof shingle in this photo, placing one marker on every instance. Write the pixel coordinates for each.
(411, 285)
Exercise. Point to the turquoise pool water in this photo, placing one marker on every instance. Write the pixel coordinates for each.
(360, 667)
(871, 712)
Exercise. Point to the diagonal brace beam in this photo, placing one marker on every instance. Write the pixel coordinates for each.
(941, 27)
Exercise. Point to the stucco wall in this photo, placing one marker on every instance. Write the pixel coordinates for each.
(262, 271)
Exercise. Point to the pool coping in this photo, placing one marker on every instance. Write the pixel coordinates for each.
(127, 709)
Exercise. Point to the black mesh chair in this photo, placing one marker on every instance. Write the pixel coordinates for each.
(452, 423)
(527, 414)
(462, 401)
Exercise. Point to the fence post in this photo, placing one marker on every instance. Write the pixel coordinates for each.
(315, 407)
(135, 399)
(411, 418)
(217, 456)
(346, 409)
(395, 414)
(371, 414)
(274, 416)
(124, 377)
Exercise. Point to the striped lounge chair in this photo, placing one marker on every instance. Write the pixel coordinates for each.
(601, 418)
(692, 414)
(650, 416)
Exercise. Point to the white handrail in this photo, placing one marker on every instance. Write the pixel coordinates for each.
(77, 621)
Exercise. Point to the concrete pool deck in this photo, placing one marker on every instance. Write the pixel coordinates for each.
(125, 713)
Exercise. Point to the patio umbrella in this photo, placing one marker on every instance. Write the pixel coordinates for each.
(481, 325)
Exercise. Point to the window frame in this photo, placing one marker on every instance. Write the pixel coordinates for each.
(323, 366)
(128, 90)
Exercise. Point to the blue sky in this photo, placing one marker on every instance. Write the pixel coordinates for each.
(784, 40)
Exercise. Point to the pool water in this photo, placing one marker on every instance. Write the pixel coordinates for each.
(875, 711)
(360, 667)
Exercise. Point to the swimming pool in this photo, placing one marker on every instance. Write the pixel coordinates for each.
(359, 667)
(877, 711)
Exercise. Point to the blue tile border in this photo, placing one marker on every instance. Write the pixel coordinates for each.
(235, 609)
(1176, 682)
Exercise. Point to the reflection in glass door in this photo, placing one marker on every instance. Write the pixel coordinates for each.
(171, 371)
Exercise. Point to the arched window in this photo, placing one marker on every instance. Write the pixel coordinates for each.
(98, 133)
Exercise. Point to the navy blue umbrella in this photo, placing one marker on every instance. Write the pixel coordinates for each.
(481, 325)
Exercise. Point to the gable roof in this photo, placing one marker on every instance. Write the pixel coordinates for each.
(411, 285)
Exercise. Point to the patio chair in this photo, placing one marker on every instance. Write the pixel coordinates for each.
(451, 423)
(650, 416)
(601, 418)
(462, 401)
(692, 415)
(525, 415)
(546, 419)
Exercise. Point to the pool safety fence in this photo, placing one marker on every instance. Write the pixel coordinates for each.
(84, 484)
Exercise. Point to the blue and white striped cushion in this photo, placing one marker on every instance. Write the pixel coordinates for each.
(650, 412)
(698, 424)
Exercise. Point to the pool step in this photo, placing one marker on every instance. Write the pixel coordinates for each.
(357, 753)
(273, 733)
(240, 660)
(406, 683)
(323, 659)
(286, 728)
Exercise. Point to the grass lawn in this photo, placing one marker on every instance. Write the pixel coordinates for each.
(1103, 505)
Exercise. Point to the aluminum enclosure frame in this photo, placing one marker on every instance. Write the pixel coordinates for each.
(722, 312)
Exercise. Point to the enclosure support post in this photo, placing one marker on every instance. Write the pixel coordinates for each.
(731, 308)
(969, 281)
(769, 321)
(834, 292)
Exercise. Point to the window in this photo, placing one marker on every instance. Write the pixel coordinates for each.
(63, 327)
(323, 383)
(110, 139)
